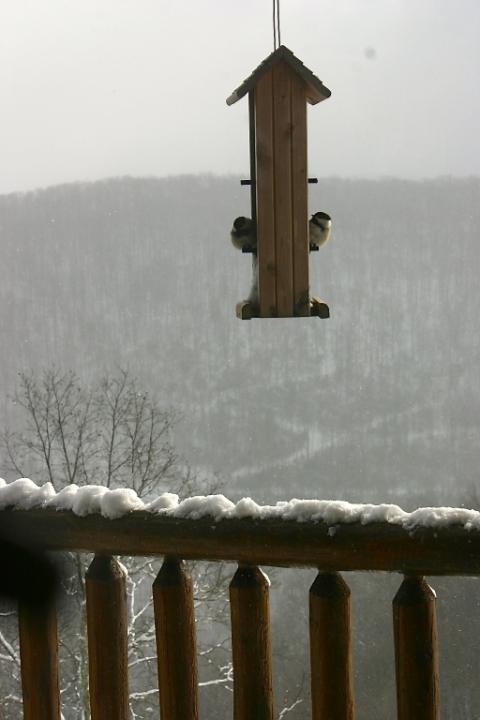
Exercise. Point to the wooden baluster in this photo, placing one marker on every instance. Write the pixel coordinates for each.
(176, 642)
(39, 660)
(251, 645)
(106, 593)
(416, 656)
(331, 648)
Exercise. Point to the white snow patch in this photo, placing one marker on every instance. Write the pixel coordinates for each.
(20, 493)
(23, 494)
(122, 567)
(216, 506)
(87, 500)
(165, 501)
(66, 496)
(266, 577)
(118, 502)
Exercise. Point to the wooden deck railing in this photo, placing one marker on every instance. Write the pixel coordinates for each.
(250, 543)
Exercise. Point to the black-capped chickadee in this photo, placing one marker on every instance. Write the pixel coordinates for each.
(243, 233)
(319, 228)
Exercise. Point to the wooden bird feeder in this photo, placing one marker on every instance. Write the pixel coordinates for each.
(278, 92)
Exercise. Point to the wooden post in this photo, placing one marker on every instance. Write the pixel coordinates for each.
(253, 156)
(265, 201)
(301, 244)
(331, 648)
(282, 145)
(416, 655)
(282, 193)
(176, 642)
(107, 639)
(251, 645)
(39, 660)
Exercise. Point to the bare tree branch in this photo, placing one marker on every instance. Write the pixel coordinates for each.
(113, 434)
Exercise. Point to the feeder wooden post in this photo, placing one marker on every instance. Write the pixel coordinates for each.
(279, 90)
(300, 232)
(265, 191)
(282, 193)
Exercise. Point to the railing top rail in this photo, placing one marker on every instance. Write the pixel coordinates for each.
(377, 546)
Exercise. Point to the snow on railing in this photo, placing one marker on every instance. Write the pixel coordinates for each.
(23, 494)
(330, 535)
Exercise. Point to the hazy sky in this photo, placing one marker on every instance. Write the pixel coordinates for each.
(100, 88)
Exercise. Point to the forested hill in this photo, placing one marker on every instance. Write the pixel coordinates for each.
(381, 402)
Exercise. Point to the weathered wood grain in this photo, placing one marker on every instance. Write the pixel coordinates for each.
(176, 642)
(39, 660)
(416, 651)
(331, 661)
(301, 282)
(282, 149)
(253, 156)
(377, 546)
(106, 593)
(251, 645)
(265, 195)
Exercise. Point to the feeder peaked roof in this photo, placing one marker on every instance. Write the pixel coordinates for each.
(316, 90)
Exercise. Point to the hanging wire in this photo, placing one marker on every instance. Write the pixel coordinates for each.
(276, 24)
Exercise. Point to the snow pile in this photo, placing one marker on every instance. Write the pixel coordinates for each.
(24, 494)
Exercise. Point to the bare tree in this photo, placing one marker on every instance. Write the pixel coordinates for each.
(112, 434)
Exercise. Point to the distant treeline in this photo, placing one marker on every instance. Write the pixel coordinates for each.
(380, 402)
